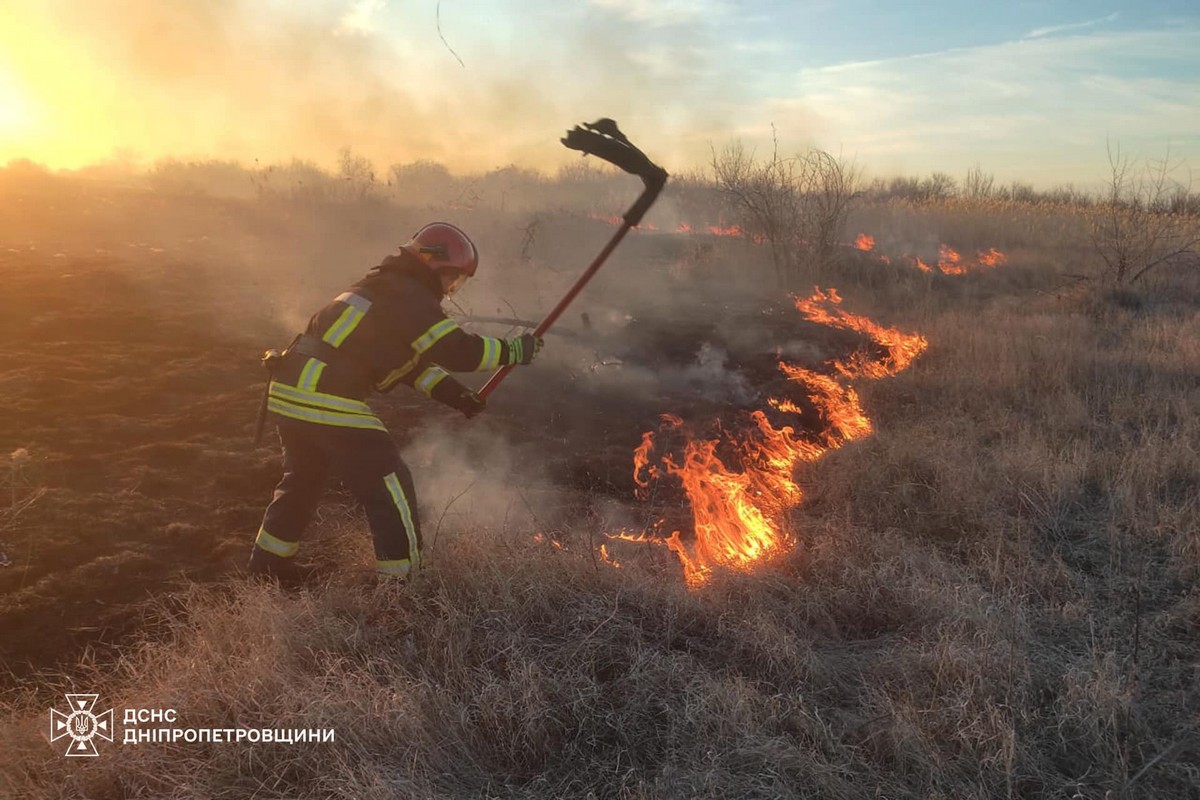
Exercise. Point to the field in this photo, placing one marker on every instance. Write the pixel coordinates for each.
(982, 583)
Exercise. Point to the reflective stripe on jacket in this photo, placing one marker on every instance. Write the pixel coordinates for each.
(386, 329)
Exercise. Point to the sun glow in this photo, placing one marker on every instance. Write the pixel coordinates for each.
(17, 116)
(51, 98)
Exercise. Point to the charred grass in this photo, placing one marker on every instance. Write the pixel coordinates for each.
(994, 595)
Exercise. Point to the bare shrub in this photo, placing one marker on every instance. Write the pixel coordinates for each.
(1141, 224)
(298, 180)
(797, 206)
(419, 177)
(356, 175)
(979, 185)
(212, 177)
(936, 188)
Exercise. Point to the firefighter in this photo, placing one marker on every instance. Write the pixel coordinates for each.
(385, 330)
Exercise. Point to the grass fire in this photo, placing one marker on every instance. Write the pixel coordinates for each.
(366, 436)
(807, 523)
(738, 509)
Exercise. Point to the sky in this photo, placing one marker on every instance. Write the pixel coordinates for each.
(1028, 90)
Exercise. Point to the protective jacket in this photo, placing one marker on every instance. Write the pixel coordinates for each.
(386, 329)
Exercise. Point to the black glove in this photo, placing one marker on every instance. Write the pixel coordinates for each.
(468, 403)
(522, 349)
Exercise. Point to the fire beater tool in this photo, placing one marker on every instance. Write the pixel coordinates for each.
(604, 140)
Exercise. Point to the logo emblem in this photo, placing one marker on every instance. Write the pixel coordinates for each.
(81, 725)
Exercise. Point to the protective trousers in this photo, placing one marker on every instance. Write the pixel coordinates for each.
(368, 465)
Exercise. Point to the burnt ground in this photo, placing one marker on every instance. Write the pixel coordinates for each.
(134, 394)
(713, 367)
(130, 403)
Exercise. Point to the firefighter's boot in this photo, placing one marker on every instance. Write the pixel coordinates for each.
(283, 571)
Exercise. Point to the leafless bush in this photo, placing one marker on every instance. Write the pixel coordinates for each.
(1141, 224)
(797, 206)
(937, 187)
(356, 175)
(979, 185)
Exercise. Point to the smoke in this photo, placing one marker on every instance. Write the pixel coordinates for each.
(469, 476)
(271, 81)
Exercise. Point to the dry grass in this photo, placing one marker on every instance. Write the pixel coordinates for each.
(993, 596)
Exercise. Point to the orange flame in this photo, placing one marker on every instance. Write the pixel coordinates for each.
(611, 219)
(949, 261)
(992, 257)
(839, 405)
(738, 510)
(731, 528)
(606, 558)
(786, 406)
(641, 457)
(901, 348)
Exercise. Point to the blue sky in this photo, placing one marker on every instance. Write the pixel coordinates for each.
(1028, 90)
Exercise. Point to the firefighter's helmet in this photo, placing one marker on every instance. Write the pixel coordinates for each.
(442, 246)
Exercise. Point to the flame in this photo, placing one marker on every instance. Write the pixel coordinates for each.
(731, 527)
(606, 558)
(610, 219)
(949, 261)
(740, 486)
(615, 221)
(786, 406)
(641, 458)
(901, 348)
(992, 257)
(839, 405)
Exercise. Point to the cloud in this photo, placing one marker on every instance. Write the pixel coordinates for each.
(271, 80)
(1074, 26)
(664, 12)
(1044, 104)
(361, 17)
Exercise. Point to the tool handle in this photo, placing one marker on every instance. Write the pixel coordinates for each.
(604, 140)
(558, 310)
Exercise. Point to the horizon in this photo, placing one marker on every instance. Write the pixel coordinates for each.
(1032, 92)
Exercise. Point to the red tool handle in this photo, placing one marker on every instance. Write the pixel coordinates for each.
(604, 140)
(557, 311)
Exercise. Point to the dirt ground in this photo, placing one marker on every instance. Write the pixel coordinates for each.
(134, 406)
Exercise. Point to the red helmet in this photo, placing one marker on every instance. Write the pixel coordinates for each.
(444, 246)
